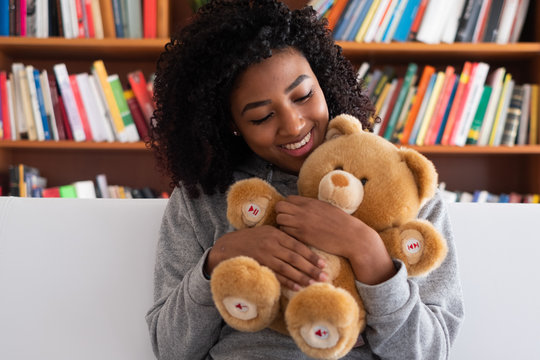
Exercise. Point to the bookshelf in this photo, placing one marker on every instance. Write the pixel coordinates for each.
(468, 168)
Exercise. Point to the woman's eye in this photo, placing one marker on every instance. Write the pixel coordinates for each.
(305, 97)
(260, 121)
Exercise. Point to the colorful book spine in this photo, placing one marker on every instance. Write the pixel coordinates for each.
(127, 119)
(408, 81)
(474, 131)
(513, 117)
(41, 104)
(62, 77)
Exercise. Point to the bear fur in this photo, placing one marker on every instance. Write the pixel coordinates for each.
(369, 178)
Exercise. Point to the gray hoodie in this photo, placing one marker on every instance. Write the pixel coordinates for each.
(407, 318)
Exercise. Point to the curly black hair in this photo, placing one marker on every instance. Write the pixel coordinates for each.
(191, 132)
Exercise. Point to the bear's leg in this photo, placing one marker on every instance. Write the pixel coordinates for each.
(245, 293)
(324, 321)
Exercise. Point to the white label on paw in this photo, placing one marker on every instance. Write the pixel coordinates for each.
(254, 210)
(321, 332)
(240, 308)
(412, 246)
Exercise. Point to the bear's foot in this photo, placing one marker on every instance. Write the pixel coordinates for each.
(245, 293)
(324, 321)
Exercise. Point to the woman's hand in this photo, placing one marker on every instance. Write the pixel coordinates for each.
(294, 264)
(330, 229)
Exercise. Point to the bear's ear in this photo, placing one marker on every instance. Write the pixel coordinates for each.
(423, 170)
(343, 125)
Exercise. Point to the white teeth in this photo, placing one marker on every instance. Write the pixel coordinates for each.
(298, 144)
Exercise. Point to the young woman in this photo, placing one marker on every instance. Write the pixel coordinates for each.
(247, 89)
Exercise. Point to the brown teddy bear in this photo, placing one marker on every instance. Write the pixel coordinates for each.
(369, 178)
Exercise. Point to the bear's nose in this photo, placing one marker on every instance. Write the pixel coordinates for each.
(340, 180)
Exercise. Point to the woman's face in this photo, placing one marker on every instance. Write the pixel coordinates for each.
(280, 110)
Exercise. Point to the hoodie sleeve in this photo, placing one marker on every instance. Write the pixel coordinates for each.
(417, 318)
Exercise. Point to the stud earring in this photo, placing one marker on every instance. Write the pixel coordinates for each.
(236, 133)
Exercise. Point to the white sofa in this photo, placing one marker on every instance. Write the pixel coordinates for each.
(76, 278)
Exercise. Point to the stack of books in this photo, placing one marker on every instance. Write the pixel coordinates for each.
(475, 106)
(483, 196)
(40, 105)
(428, 21)
(26, 181)
(85, 18)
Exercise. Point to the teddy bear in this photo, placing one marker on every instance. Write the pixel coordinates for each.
(367, 177)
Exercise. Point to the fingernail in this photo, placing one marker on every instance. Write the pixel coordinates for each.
(321, 263)
(297, 287)
(323, 277)
(311, 282)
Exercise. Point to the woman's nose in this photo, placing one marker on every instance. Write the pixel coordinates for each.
(292, 123)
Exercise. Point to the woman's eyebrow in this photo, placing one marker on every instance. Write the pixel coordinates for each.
(296, 82)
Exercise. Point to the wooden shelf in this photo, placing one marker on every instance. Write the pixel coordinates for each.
(73, 145)
(58, 48)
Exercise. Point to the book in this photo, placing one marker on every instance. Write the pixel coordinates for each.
(85, 189)
(45, 120)
(508, 16)
(435, 17)
(394, 21)
(519, 21)
(67, 191)
(34, 105)
(100, 72)
(102, 186)
(98, 20)
(139, 86)
(47, 102)
(376, 20)
(356, 17)
(385, 21)
(404, 26)
(107, 17)
(88, 18)
(417, 20)
(149, 19)
(81, 108)
(102, 115)
(468, 20)
(502, 109)
(118, 20)
(480, 26)
(423, 107)
(400, 125)
(447, 112)
(18, 111)
(385, 105)
(513, 117)
(388, 110)
(491, 29)
(496, 83)
(15, 132)
(471, 104)
(345, 19)
(457, 105)
(415, 107)
(134, 19)
(525, 111)
(440, 109)
(433, 100)
(118, 93)
(54, 95)
(5, 124)
(387, 75)
(359, 37)
(72, 111)
(136, 113)
(533, 119)
(335, 13)
(474, 131)
(28, 124)
(99, 128)
(408, 81)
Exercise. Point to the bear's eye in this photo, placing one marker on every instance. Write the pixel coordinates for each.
(363, 181)
(338, 168)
